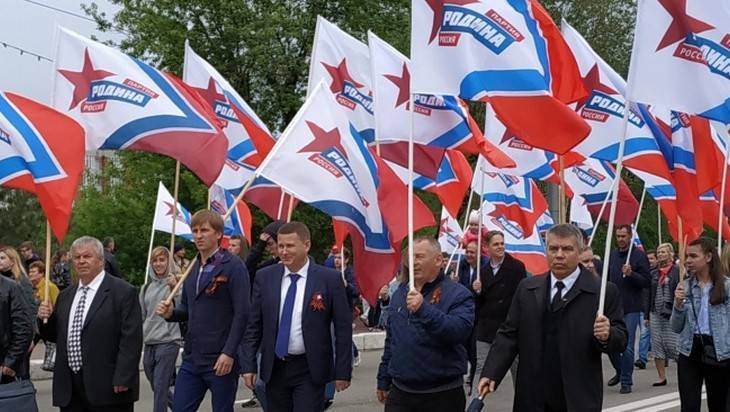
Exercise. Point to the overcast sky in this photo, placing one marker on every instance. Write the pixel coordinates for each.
(31, 27)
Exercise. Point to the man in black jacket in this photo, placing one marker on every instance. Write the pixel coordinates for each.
(552, 324)
(266, 242)
(16, 329)
(631, 280)
(493, 295)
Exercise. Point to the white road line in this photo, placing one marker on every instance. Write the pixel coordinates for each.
(667, 406)
(644, 402)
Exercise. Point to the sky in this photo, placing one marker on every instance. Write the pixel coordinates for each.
(30, 26)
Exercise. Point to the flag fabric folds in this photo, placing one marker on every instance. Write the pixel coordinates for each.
(165, 212)
(239, 222)
(450, 234)
(125, 104)
(41, 152)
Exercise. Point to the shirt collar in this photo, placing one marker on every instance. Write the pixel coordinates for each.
(567, 281)
(302, 272)
(94, 285)
(496, 264)
(212, 256)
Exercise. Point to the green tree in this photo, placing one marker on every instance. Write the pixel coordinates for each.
(21, 219)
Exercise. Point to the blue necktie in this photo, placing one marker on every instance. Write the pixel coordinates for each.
(281, 349)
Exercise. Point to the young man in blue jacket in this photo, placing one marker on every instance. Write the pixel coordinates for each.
(424, 359)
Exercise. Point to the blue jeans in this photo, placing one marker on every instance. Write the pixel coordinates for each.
(644, 340)
(193, 381)
(159, 368)
(624, 362)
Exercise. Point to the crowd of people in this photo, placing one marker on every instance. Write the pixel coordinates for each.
(283, 323)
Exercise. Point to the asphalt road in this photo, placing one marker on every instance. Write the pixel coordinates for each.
(361, 394)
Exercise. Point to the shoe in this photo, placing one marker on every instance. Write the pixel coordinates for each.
(328, 403)
(614, 381)
(250, 403)
(640, 364)
(356, 361)
(625, 389)
(662, 383)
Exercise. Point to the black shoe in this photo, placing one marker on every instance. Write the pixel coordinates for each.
(614, 381)
(625, 389)
(328, 403)
(662, 383)
(640, 364)
(250, 403)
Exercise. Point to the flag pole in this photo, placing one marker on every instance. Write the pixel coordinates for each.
(230, 210)
(612, 212)
(635, 230)
(659, 221)
(281, 205)
(463, 228)
(411, 273)
(600, 214)
(174, 206)
(721, 214)
(682, 245)
(481, 222)
(342, 263)
(561, 192)
(48, 265)
(291, 208)
(152, 239)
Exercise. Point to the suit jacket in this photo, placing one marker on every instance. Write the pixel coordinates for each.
(217, 312)
(580, 351)
(111, 344)
(465, 275)
(324, 366)
(494, 300)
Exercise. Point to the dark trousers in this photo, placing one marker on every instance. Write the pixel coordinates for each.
(691, 373)
(79, 402)
(291, 389)
(192, 382)
(159, 368)
(452, 400)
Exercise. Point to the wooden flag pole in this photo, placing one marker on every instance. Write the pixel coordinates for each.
(721, 214)
(603, 208)
(682, 245)
(281, 204)
(48, 265)
(174, 205)
(481, 223)
(464, 228)
(152, 239)
(561, 192)
(635, 230)
(291, 208)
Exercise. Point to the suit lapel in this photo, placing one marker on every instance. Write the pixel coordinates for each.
(541, 291)
(276, 290)
(65, 309)
(308, 291)
(99, 298)
(207, 276)
(584, 283)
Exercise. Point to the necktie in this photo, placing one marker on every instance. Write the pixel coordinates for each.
(74, 338)
(557, 301)
(281, 349)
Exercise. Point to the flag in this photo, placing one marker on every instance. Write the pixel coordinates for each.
(441, 121)
(41, 152)
(684, 173)
(604, 110)
(125, 104)
(516, 198)
(592, 180)
(450, 234)
(680, 57)
(229, 107)
(579, 214)
(637, 239)
(165, 212)
(664, 193)
(239, 222)
(545, 222)
(340, 176)
(508, 52)
(343, 63)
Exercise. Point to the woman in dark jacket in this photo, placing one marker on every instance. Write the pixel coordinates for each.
(11, 266)
(664, 280)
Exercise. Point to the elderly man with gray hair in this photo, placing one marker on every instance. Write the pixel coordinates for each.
(97, 327)
(554, 325)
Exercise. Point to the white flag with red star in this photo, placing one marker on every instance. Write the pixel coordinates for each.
(164, 212)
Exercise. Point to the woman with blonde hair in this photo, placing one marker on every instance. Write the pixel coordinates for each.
(161, 338)
(664, 281)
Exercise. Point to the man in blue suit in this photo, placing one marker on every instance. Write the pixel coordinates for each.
(468, 278)
(215, 303)
(294, 306)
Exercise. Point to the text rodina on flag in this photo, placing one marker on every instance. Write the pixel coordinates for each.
(507, 52)
(681, 57)
(41, 152)
(124, 103)
(338, 174)
(165, 212)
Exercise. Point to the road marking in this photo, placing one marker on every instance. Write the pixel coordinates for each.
(644, 402)
(667, 406)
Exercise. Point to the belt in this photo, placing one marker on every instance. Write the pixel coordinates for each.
(289, 358)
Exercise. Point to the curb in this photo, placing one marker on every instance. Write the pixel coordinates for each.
(363, 341)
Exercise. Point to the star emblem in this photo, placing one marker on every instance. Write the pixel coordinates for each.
(171, 212)
(437, 6)
(210, 94)
(82, 80)
(592, 81)
(682, 24)
(403, 83)
(323, 140)
(508, 135)
(340, 75)
(445, 226)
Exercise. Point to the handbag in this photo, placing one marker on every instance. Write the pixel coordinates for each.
(18, 396)
(708, 355)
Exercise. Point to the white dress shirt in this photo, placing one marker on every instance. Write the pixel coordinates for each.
(296, 339)
(93, 287)
(496, 265)
(568, 282)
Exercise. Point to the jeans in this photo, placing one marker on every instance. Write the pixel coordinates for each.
(159, 368)
(644, 340)
(624, 362)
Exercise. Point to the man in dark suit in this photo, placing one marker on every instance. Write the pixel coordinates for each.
(97, 328)
(294, 306)
(215, 305)
(468, 278)
(552, 324)
(493, 294)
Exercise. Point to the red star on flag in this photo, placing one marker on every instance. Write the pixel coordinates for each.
(323, 140)
(210, 94)
(171, 212)
(682, 24)
(508, 135)
(438, 13)
(339, 76)
(82, 80)
(403, 83)
(592, 81)
(445, 226)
